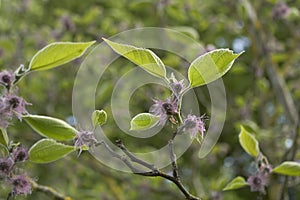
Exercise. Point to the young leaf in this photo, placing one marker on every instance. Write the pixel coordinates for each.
(248, 142)
(211, 66)
(236, 183)
(58, 53)
(145, 58)
(4, 140)
(48, 150)
(288, 168)
(143, 121)
(51, 127)
(99, 117)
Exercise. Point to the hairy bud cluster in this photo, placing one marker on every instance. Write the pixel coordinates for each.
(20, 184)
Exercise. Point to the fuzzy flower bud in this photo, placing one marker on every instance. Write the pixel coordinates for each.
(6, 166)
(16, 105)
(163, 109)
(20, 154)
(176, 86)
(259, 181)
(281, 10)
(21, 185)
(193, 125)
(6, 78)
(84, 139)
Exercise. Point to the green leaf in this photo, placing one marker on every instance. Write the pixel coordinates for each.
(143, 121)
(4, 140)
(236, 183)
(48, 150)
(145, 58)
(51, 127)
(58, 53)
(99, 117)
(248, 142)
(211, 66)
(288, 168)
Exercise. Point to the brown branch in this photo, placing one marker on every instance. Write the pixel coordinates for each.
(132, 157)
(122, 158)
(154, 171)
(173, 156)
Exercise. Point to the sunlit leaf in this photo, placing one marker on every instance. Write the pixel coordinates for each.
(236, 183)
(51, 127)
(143, 121)
(99, 117)
(288, 168)
(48, 150)
(211, 66)
(145, 58)
(248, 142)
(58, 53)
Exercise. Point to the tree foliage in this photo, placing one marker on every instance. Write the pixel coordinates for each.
(262, 91)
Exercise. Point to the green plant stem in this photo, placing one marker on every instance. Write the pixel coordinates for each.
(49, 191)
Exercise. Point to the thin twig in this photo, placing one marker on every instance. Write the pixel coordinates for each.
(49, 191)
(173, 157)
(132, 157)
(154, 171)
(122, 158)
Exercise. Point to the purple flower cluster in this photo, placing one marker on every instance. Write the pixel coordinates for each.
(259, 180)
(194, 125)
(84, 139)
(281, 10)
(20, 183)
(10, 103)
(6, 166)
(169, 108)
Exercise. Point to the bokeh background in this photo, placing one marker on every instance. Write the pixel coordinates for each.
(262, 89)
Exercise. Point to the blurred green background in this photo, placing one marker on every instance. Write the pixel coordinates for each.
(262, 89)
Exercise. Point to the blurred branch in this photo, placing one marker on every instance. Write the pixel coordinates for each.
(49, 191)
(280, 88)
(278, 83)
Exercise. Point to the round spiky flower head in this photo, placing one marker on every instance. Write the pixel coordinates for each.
(6, 166)
(194, 126)
(16, 105)
(21, 185)
(20, 154)
(84, 140)
(6, 78)
(176, 86)
(163, 109)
